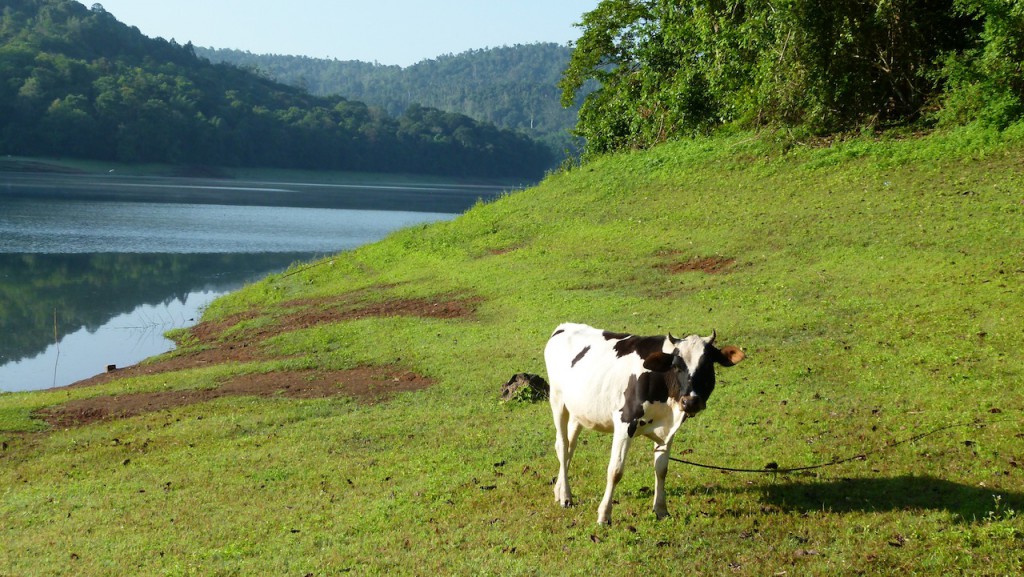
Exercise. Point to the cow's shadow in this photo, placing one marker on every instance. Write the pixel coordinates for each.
(878, 494)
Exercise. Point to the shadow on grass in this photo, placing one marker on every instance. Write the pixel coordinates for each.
(904, 493)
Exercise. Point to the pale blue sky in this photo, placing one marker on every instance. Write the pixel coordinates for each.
(399, 32)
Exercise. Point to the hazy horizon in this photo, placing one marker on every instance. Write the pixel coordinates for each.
(390, 32)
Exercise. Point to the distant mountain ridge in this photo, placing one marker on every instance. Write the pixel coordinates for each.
(513, 87)
(78, 83)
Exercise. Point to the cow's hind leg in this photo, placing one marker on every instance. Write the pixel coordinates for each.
(574, 433)
(564, 445)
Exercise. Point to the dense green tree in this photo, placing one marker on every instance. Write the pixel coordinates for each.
(670, 68)
(68, 125)
(986, 80)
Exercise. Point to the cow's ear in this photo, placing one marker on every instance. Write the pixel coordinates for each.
(678, 362)
(730, 355)
(658, 362)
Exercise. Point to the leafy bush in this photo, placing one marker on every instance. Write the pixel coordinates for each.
(672, 69)
(986, 82)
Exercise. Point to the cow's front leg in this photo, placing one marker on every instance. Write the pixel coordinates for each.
(620, 447)
(661, 457)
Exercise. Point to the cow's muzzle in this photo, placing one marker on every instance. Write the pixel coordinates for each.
(693, 404)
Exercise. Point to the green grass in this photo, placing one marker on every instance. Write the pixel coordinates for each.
(878, 289)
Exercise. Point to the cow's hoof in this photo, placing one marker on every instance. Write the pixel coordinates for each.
(562, 498)
(606, 521)
(662, 514)
(564, 501)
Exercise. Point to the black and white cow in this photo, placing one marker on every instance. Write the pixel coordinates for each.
(626, 385)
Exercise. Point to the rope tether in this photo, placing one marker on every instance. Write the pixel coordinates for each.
(774, 467)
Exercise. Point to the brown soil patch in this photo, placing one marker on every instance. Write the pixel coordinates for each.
(210, 344)
(208, 331)
(306, 313)
(367, 384)
(501, 251)
(705, 264)
(315, 312)
(189, 359)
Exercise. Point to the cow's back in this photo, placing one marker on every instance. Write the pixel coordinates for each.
(586, 375)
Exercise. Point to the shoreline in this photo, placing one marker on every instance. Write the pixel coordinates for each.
(452, 198)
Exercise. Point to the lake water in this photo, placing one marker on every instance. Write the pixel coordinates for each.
(93, 272)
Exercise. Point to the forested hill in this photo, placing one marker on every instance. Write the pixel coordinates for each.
(514, 87)
(79, 83)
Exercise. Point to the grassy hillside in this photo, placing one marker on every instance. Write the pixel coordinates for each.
(343, 418)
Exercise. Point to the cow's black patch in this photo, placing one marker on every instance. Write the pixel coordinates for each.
(648, 387)
(580, 355)
(642, 346)
(558, 332)
(702, 382)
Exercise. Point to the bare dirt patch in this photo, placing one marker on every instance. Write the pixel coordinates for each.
(208, 344)
(306, 313)
(705, 264)
(208, 331)
(313, 313)
(212, 343)
(501, 251)
(189, 359)
(367, 384)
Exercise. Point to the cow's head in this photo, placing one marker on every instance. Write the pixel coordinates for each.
(692, 360)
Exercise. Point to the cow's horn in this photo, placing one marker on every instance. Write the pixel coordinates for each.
(714, 335)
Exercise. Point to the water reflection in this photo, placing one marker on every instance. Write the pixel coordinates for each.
(89, 249)
(107, 308)
(76, 226)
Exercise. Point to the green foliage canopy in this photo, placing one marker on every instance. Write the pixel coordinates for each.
(513, 87)
(671, 68)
